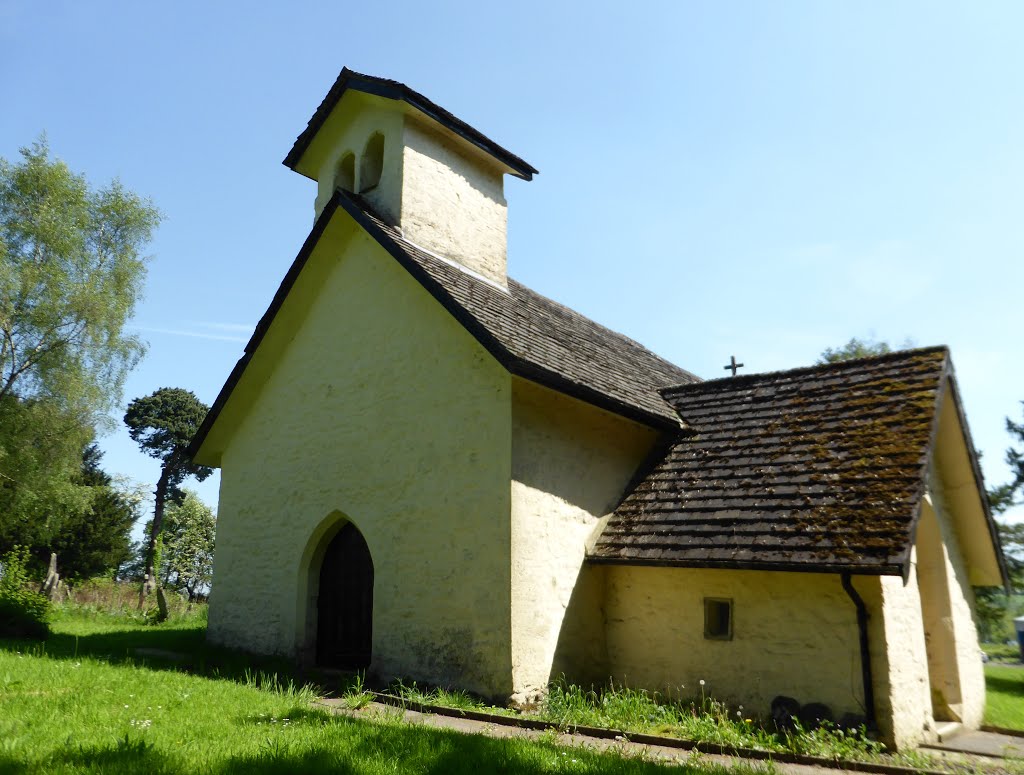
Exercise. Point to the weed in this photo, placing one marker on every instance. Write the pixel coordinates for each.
(356, 696)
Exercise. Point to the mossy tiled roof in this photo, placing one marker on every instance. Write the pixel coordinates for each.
(531, 335)
(537, 338)
(815, 468)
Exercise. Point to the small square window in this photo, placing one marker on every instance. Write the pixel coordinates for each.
(717, 618)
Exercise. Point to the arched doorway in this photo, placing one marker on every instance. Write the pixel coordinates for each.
(345, 602)
(937, 617)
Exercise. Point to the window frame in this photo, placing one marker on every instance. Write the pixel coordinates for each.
(709, 603)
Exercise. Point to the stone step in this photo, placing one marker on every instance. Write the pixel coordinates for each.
(947, 730)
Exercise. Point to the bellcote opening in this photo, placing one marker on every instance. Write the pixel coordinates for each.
(371, 165)
(345, 176)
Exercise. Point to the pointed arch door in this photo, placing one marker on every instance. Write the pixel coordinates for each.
(345, 602)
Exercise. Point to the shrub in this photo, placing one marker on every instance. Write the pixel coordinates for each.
(23, 612)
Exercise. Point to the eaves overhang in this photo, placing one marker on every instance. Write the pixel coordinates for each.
(349, 80)
(513, 362)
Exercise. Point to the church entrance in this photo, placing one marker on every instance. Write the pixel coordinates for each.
(345, 603)
(939, 634)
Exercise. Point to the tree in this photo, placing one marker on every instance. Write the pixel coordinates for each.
(163, 424)
(994, 606)
(70, 275)
(1003, 497)
(188, 540)
(96, 539)
(71, 272)
(40, 462)
(855, 348)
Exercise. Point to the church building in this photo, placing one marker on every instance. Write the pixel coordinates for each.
(430, 471)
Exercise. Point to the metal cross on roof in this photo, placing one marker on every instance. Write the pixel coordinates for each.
(733, 365)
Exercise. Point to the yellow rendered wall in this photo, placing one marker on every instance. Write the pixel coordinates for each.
(794, 634)
(961, 606)
(378, 407)
(446, 195)
(453, 201)
(899, 660)
(348, 128)
(570, 465)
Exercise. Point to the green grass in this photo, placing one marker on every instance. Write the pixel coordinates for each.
(82, 701)
(701, 718)
(1002, 652)
(1005, 697)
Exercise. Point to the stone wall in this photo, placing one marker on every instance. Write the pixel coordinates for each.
(570, 465)
(370, 404)
(794, 634)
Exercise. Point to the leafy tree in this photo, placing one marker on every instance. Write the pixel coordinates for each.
(163, 424)
(188, 539)
(96, 539)
(855, 348)
(40, 461)
(71, 272)
(23, 612)
(1003, 497)
(70, 275)
(994, 606)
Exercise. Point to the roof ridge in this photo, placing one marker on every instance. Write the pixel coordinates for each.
(603, 327)
(396, 90)
(396, 233)
(747, 379)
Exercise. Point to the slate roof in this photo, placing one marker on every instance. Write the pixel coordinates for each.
(531, 335)
(384, 87)
(821, 468)
(538, 338)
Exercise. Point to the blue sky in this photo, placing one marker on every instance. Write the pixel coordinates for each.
(717, 178)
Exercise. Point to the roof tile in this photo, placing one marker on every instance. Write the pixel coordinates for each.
(814, 468)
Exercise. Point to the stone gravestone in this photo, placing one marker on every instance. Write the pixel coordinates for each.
(51, 585)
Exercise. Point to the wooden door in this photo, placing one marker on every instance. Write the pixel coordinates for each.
(345, 603)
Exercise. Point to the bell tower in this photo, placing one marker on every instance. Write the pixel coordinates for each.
(416, 166)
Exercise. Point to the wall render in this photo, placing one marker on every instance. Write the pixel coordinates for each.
(570, 465)
(402, 425)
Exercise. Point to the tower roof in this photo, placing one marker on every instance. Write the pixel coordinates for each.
(349, 80)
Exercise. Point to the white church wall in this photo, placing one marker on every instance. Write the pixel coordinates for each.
(793, 634)
(348, 130)
(961, 607)
(373, 402)
(570, 465)
(453, 201)
(899, 661)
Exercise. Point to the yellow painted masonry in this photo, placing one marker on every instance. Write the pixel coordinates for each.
(368, 402)
(961, 608)
(570, 465)
(348, 130)
(453, 202)
(794, 634)
(898, 660)
(446, 195)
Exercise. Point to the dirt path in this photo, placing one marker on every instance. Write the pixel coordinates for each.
(652, 752)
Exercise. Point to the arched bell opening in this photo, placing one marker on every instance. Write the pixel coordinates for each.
(371, 164)
(345, 174)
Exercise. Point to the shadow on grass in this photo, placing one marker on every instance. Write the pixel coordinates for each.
(180, 649)
(355, 746)
(1013, 686)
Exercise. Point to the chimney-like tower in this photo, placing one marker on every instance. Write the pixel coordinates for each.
(417, 166)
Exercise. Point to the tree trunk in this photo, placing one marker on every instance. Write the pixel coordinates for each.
(149, 582)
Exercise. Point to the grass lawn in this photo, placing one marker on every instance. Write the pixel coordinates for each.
(1005, 697)
(81, 702)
